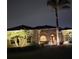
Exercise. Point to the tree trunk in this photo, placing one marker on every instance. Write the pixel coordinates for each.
(57, 26)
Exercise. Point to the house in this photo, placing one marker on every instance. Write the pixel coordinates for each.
(22, 36)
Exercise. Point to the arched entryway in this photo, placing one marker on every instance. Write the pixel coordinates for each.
(43, 39)
(52, 40)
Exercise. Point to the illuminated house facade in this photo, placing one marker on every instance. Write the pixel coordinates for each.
(22, 36)
(19, 36)
(67, 36)
(45, 36)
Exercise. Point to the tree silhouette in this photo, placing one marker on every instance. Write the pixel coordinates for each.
(56, 5)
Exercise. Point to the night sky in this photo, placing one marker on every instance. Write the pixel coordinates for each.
(35, 13)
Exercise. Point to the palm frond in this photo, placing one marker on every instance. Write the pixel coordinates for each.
(51, 3)
(66, 7)
(60, 3)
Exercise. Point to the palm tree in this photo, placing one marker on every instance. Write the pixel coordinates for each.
(56, 5)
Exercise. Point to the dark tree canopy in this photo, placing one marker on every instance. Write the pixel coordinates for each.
(59, 3)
